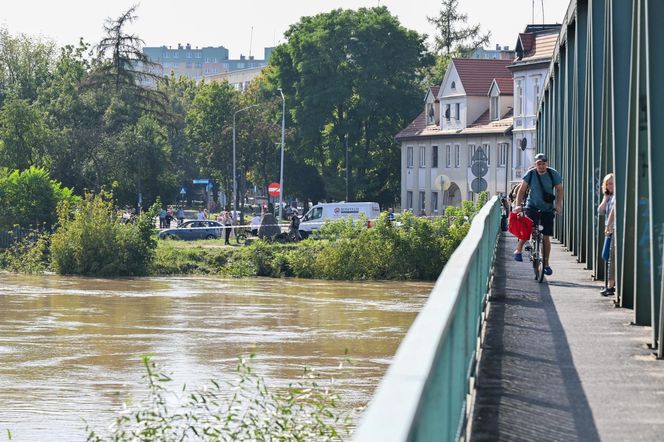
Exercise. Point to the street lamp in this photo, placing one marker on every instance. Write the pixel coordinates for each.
(281, 172)
(234, 173)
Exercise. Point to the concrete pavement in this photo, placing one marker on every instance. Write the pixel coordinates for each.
(560, 362)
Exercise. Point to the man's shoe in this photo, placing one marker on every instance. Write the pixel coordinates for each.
(607, 291)
(548, 271)
(518, 257)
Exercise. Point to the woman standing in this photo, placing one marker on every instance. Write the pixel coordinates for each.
(607, 208)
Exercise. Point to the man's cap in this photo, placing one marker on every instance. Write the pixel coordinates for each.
(541, 157)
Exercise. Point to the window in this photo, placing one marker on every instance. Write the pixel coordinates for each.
(457, 111)
(519, 97)
(316, 213)
(495, 108)
(166, 54)
(199, 55)
(453, 85)
(188, 54)
(175, 55)
(434, 202)
(536, 93)
(434, 156)
(241, 66)
(423, 158)
(409, 200)
(487, 150)
(502, 154)
(457, 155)
(517, 160)
(448, 156)
(431, 114)
(422, 194)
(409, 157)
(471, 152)
(447, 112)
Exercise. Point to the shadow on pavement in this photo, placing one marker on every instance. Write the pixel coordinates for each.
(528, 387)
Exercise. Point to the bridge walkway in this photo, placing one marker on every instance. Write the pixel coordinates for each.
(560, 362)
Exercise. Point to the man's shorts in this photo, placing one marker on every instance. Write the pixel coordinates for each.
(546, 220)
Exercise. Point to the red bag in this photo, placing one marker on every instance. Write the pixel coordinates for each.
(520, 226)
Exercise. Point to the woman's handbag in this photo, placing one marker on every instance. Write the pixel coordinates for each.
(606, 250)
(520, 226)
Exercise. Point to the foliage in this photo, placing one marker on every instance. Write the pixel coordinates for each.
(245, 409)
(414, 249)
(29, 255)
(452, 35)
(94, 242)
(25, 65)
(30, 198)
(350, 78)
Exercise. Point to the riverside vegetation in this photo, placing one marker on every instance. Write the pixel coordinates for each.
(92, 241)
(245, 409)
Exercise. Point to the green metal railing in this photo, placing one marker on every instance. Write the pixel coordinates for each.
(601, 111)
(423, 396)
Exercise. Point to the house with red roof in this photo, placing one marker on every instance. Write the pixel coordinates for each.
(465, 120)
(534, 49)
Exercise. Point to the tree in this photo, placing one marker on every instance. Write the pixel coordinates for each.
(30, 198)
(452, 35)
(25, 65)
(350, 77)
(123, 68)
(210, 126)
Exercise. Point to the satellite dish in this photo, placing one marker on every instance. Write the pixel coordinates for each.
(442, 182)
(523, 143)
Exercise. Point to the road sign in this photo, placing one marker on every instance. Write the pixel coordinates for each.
(479, 168)
(274, 189)
(201, 181)
(183, 191)
(479, 155)
(478, 185)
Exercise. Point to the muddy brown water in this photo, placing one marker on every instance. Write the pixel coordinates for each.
(70, 347)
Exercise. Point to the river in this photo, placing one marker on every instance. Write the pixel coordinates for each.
(70, 347)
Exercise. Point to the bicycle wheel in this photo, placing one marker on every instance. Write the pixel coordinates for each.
(539, 271)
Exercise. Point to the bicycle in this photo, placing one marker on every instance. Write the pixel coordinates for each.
(535, 247)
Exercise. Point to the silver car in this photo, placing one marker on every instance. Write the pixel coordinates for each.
(190, 230)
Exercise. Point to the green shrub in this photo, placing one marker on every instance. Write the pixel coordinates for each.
(245, 409)
(30, 198)
(94, 242)
(415, 249)
(30, 255)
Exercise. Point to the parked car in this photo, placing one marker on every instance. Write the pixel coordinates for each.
(194, 230)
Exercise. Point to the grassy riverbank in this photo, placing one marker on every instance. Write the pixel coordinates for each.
(410, 249)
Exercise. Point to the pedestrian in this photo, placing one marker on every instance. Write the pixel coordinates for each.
(607, 208)
(162, 218)
(201, 215)
(255, 224)
(180, 215)
(545, 195)
(390, 214)
(227, 221)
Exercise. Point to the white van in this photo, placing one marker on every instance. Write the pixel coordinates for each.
(320, 213)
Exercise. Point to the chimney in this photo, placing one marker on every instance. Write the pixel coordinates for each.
(241, 57)
(179, 46)
(188, 46)
(497, 47)
(506, 48)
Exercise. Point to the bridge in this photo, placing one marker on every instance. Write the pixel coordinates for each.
(494, 355)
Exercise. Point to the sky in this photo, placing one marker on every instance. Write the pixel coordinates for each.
(229, 23)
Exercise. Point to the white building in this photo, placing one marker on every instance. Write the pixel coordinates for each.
(470, 111)
(534, 49)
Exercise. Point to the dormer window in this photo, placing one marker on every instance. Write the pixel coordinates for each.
(453, 85)
(431, 114)
(495, 108)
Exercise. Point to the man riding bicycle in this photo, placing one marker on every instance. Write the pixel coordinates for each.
(544, 201)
